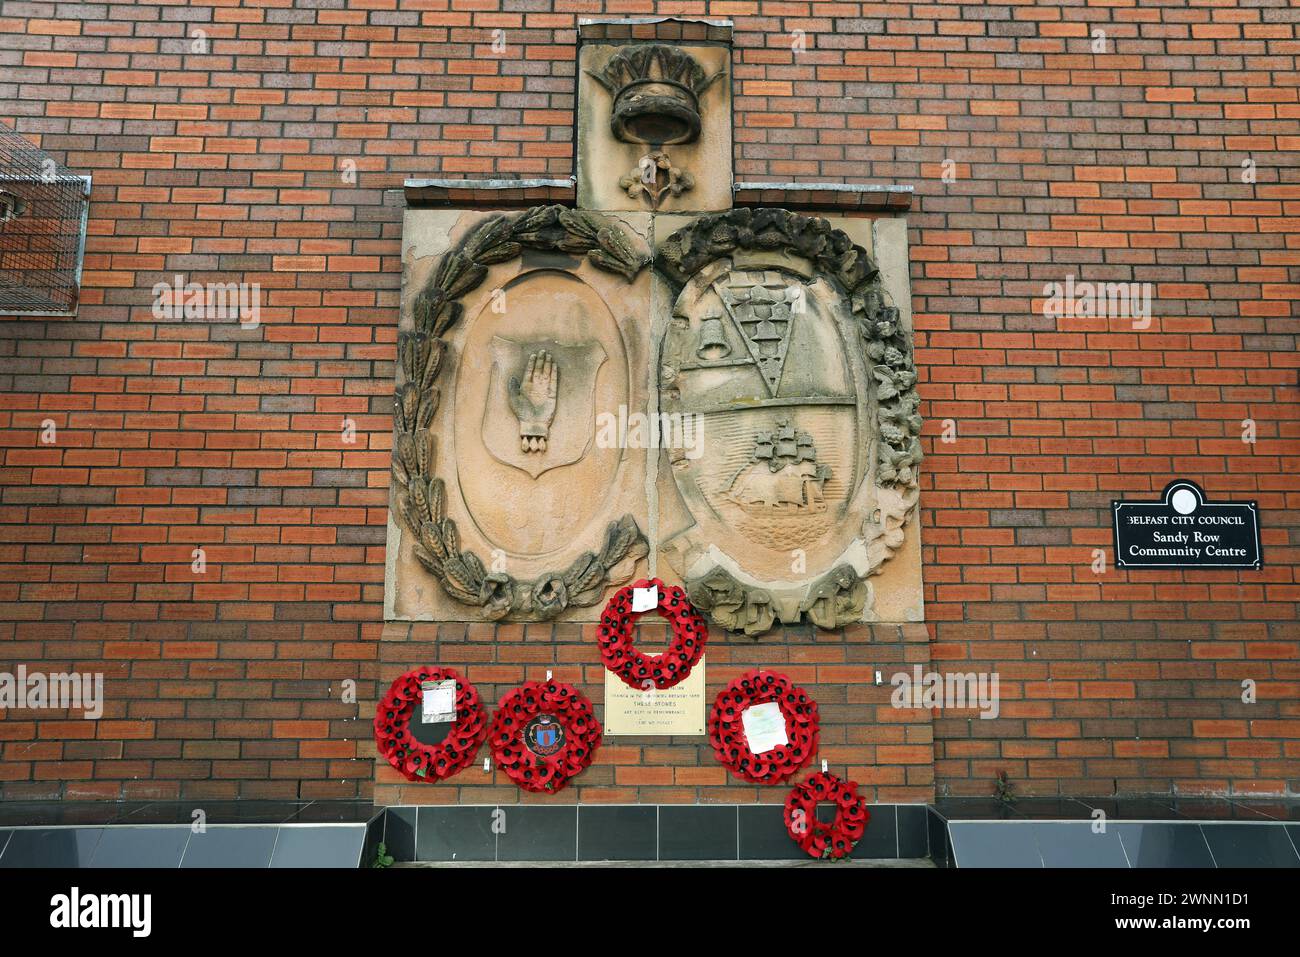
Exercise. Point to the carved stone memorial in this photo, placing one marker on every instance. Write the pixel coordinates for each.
(654, 382)
(516, 329)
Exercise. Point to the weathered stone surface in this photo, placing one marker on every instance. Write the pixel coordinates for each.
(516, 331)
(762, 433)
(656, 90)
(654, 127)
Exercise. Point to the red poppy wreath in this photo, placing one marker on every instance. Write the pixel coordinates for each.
(543, 734)
(757, 748)
(816, 838)
(642, 671)
(416, 760)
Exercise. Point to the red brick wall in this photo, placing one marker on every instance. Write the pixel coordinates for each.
(226, 165)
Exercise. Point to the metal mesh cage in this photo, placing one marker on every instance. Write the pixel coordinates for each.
(42, 230)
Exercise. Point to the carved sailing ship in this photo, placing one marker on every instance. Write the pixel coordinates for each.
(783, 477)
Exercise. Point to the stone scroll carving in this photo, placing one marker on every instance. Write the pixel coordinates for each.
(783, 345)
(531, 382)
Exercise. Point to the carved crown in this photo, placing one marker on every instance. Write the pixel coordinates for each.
(656, 90)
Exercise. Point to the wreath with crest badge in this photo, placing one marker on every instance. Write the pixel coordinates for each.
(544, 733)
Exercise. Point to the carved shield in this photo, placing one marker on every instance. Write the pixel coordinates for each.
(760, 361)
(570, 431)
(781, 458)
(517, 332)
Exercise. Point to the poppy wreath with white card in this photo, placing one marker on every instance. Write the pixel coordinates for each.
(634, 668)
(416, 760)
(818, 839)
(543, 734)
(770, 760)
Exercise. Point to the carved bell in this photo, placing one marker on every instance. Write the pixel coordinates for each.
(713, 339)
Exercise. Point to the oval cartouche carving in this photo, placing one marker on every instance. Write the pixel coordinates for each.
(534, 374)
(784, 352)
(539, 379)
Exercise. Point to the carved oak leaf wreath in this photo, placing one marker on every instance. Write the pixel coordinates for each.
(420, 495)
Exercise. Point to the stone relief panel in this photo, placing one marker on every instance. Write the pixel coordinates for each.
(517, 330)
(655, 382)
(784, 347)
(654, 126)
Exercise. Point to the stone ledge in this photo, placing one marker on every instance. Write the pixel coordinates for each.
(489, 193)
(838, 197)
(522, 193)
(654, 28)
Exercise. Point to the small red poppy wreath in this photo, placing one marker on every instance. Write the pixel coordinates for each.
(543, 734)
(816, 838)
(731, 744)
(642, 671)
(428, 762)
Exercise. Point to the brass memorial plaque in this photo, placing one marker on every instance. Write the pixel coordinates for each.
(675, 710)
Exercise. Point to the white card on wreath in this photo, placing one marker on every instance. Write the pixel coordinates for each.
(438, 701)
(764, 727)
(643, 599)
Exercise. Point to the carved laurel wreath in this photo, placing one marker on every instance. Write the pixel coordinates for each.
(839, 596)
(420, 495)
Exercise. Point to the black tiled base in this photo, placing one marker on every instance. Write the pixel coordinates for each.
(603, 832)
(618, 833)
(147, 846)
(913, 830)
(763, 836)
(453, 834)
(937, 834)
(1033, 833)
(1250, 845)
(1150, 845)
(532, 832)
(880, 841)
(231, 847)
(1055, 834)
(698, 832)
(51, 847)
